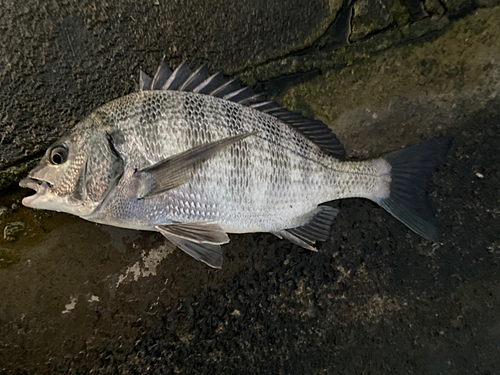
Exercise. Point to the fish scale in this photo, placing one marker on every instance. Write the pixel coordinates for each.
(283, 179)
(195, 165)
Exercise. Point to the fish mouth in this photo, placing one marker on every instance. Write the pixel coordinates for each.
(39, 186)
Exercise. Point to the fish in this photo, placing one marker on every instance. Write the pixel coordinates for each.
(194, 157)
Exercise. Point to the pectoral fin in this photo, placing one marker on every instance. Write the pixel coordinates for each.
(200, 240)
(178, 169)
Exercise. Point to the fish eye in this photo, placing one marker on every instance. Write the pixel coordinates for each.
(58, 155)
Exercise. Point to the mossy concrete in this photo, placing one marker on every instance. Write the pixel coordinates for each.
(414, 33)
(10, 176)
(425, 85)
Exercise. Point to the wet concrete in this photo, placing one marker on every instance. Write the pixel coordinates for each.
(79, 297)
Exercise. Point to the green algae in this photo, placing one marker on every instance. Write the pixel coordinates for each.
(10, 176)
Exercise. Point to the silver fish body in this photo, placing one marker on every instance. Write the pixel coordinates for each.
(267, 177)
(264, 183)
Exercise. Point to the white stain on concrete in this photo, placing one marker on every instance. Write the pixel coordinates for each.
(70, 306)
(146, 266)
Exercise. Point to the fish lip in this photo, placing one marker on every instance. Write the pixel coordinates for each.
(30, 183)
(39, 186)
(33, 183)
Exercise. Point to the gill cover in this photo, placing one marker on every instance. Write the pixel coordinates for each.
(102, 170)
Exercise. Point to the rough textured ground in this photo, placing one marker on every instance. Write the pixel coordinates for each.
(77, 297)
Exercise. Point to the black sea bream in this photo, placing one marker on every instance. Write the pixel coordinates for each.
(195, 157)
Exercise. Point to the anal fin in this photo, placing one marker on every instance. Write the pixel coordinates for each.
(316, 229)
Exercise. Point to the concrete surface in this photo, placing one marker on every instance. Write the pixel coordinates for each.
(376, 299)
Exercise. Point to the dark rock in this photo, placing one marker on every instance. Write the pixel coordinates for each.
(3, 211)
(434, 7)
(454, 5)
(374, 16)
(416, 9)
(12, 230)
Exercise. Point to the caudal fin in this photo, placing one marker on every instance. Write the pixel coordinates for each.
(411, 168)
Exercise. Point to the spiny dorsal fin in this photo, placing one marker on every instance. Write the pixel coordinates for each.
(161, 76)
(199, 75)
(144, 81)
(199, 81)
(210, 84)
(226, 88)
(178, 77)
(253, 99)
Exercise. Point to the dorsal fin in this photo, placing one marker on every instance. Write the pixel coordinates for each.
(161, 76)
(178, 77)
(226, 88)
(210, 84)
(199, 75)
(199, 81)
(144, 81)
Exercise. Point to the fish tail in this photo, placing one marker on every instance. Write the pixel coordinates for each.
(410, 170)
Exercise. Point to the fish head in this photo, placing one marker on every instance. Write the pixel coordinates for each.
(59, 178)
